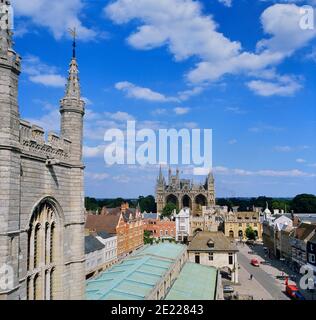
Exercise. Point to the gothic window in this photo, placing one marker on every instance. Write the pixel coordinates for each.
(52, 281)
(43, 246)
(52, 241)
(37, 245)
(36, 287)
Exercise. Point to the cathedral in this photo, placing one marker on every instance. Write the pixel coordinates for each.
(41, 189)
(184, 193)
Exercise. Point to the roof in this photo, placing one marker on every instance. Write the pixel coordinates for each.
(103, 222)
(135, 277)
(313, 239)
(92, 244)
(202, 288)
(151, 215)
(202, 239)
(303, 231)
(104, 235)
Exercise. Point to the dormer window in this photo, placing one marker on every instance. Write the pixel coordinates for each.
(210, 243)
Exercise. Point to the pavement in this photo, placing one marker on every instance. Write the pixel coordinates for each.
(250, 287)
(276, 267)
(264, 275)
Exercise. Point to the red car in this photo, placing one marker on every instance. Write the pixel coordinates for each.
(291, 291)
(255, 262)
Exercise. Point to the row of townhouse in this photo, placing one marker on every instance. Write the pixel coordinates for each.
(100, 252)
(291, 238)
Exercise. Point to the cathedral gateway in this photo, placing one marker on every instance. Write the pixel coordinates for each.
(184, 193)
(41, 190)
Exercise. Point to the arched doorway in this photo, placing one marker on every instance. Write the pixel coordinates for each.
(200, 201)
(45, 251)
(231, 234)
(186, 202)
(240, 234)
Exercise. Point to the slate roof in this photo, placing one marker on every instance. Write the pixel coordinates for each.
(221, 243)
(92, 244)
(303, 231)
(153, 216)
(104, 234)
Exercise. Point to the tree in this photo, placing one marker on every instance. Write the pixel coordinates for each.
(168, 209)
(250, 234)
(147, 204)
(304, 203)
(147, 237)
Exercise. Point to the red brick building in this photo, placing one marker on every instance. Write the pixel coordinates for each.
(159, 228)
(124, 222)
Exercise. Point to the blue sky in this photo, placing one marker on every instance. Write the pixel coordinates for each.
(242, 68)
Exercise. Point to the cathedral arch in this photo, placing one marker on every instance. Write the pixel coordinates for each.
(186, 202)
(45, 249)
(171, 198)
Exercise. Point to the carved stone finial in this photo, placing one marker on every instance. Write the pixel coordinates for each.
(6, 26)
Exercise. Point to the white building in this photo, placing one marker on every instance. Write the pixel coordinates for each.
(215, 250)
(100, 253)
(183, 225)
(110, 247)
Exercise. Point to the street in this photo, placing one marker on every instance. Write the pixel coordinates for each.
(264, 284)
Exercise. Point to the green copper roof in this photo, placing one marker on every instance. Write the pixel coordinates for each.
(135, 277)
(195, 282)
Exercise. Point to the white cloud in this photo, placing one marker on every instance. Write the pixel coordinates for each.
(300, 160)
(263, 173)
(134, 91)
(49, 80)
(185, 95)
(159, 111)
(283, 149)
(120, 116)
(41, 73)
(97, 176)
(57, 16)
(232, 141)
(227, 3)
(182, 26)
(281, 86)
(93, 152)
(181, 111)
(264, 128)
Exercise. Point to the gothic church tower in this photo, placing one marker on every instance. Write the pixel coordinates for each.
(41, 190)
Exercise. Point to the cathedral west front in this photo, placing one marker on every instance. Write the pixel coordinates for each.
(184, 193)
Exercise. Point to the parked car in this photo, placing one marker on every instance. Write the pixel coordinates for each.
(255, 262)
(293, 292)
(299, 296)
(228, 289)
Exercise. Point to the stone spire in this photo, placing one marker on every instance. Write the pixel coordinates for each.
(72, 111)
(160, 177)
(73, 83)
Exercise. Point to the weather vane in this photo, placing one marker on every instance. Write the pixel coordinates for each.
(73, 33)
